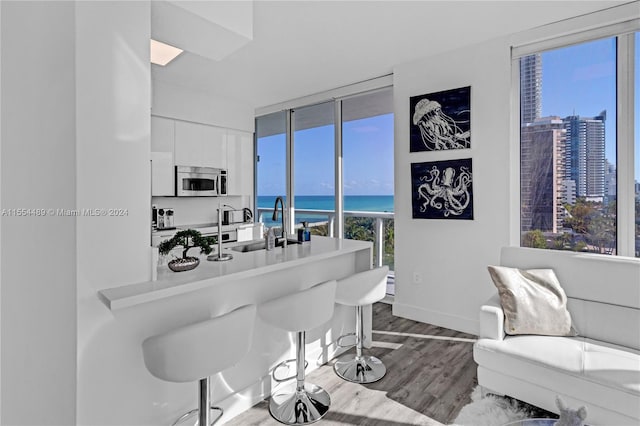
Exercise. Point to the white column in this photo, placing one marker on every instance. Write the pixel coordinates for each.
(38, 311)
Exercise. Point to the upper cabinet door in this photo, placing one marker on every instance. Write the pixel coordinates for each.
(214, 147)
(162, 175)
(189, 144)
(240, 158)
(162, 145)
(200, 145)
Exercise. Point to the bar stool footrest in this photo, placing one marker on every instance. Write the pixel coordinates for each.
(191, 418)
(344, 336)
(283, 364)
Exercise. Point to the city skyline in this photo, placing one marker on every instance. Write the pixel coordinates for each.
(581, 80)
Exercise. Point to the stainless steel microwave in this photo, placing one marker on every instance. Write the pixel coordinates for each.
(200, 181)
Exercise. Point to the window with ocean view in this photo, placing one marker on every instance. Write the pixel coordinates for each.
(367, 168)
(569, 144)
(367, 155)
(271, 155)
(314, 164)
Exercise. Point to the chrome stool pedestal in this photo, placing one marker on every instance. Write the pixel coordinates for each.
(303, 404)
(359, 369)
(200, 413)
(359, 290)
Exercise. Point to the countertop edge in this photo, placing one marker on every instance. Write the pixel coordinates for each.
(112, 300)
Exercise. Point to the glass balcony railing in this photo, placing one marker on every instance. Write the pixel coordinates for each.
(376, 227)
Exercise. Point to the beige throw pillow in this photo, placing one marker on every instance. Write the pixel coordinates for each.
(533, 301)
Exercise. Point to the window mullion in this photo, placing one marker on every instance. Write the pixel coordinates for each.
(290, 169)
(625, 145)
(338, 191)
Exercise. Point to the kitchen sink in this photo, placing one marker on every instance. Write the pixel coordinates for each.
(259, 245)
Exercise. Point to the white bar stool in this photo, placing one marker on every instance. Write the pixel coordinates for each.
(300, 312)
(197, 351)
(361, 289)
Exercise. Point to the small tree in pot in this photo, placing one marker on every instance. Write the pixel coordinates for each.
(188, 239)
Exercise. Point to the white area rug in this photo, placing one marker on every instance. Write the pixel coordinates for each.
(494, 410)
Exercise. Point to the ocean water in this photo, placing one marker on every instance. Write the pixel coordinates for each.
(368, 203)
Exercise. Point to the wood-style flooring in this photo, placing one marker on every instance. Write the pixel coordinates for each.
(430, 376)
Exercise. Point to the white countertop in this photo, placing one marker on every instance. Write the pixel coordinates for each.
(243, 265)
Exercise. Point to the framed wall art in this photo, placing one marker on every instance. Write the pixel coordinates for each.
(442, 189)
(441, 120)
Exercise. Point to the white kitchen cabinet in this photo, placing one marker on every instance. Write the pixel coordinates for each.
(188, 146)
(214, 147)
(162, 146)
(200, 145)
(240, 162)
(183, 143)
(162, 174)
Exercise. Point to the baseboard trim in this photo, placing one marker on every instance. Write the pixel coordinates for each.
(441, 319)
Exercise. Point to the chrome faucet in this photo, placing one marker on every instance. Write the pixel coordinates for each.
(275, 217)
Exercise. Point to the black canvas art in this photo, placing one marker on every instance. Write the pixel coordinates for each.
(441, 120)
(442, 189)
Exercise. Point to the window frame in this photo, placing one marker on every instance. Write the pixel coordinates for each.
(336, 96)
(565, 34)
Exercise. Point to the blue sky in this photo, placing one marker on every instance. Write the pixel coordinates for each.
(367, 159)
(581, 80)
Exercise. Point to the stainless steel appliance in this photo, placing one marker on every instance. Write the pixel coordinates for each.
(200, 181)
(165, 218)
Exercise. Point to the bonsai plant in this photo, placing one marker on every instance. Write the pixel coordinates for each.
(188, 239)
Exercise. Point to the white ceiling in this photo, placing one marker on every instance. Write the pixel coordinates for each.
(305, 47)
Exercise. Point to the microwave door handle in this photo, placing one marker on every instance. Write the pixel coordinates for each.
(218, 184)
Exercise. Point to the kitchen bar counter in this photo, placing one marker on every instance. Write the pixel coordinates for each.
(144, 309)
(243, 265)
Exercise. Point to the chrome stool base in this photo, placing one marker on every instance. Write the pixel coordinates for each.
(300, 407)
(366, 369)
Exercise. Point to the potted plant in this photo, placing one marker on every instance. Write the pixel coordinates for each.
(188, 239)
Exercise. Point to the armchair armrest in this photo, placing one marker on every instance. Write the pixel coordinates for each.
(492, 319)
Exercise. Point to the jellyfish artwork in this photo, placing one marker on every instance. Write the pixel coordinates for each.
(448, 193)
(437, 129)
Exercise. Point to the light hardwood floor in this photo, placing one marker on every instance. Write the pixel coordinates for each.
(430, 376)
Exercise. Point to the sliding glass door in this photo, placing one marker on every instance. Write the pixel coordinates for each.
(271, 163)
(367, 159)
(335, 160)
(314, 166)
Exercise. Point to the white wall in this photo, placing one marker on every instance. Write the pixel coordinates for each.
(38, 252)
(113, 172)
(187, 104)
(452, 255)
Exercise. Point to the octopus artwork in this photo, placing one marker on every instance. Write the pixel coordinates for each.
(440, 120)
(443, 190)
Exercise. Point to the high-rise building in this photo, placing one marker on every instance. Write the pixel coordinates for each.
(530, 88)
(542, 189)
(568, 192)
(584, 155)
(610, 182)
